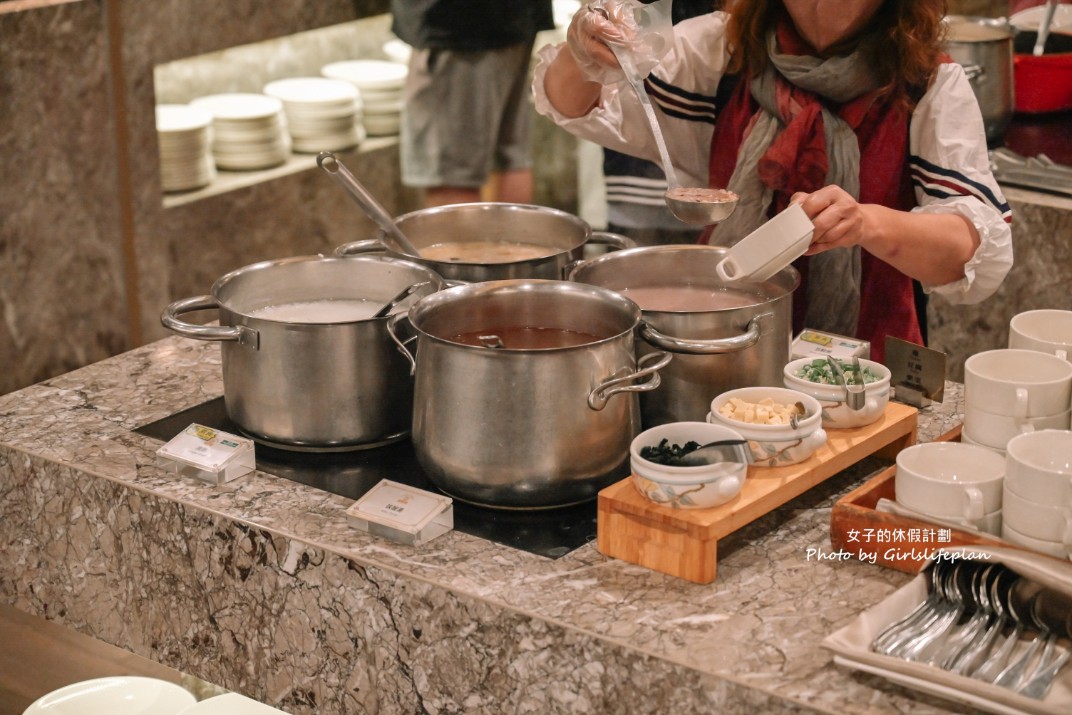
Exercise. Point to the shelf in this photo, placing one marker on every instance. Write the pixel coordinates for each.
(226, 181)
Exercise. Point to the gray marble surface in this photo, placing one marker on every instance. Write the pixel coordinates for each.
(262, 586)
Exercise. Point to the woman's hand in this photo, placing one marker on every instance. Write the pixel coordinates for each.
(587, 37)
(840, 221)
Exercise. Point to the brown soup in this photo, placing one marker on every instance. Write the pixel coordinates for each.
(687, 299)
(517, 337)
(485, 252)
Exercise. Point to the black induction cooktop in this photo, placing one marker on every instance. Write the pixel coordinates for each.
(546, 532)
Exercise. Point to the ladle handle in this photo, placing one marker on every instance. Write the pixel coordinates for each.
(368, 203)
(638, 86)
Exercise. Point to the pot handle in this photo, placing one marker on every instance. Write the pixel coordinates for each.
(974, 72)
(392, 323)
(598, 398)
(354, 248)
(616, 241)
(242, 334)
(707, 347)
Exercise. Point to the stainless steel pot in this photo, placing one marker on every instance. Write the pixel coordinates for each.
(566, 234)
(984, 47)
(715, 349)
(310, 385)
(526, 428)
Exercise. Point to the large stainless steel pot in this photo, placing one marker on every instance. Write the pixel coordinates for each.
(984, 47)
(310, 385)
(526, 428)
(566, 235)
(714, 349)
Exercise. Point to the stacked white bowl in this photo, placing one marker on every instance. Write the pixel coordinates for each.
(322, 114)
(1011, 391)
(951, 483)
(184, 136)
(1038, 492)
(247, 130)
(379, 83)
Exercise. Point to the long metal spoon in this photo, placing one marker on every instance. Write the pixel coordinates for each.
(1044, 29)
(724, 450)
(695, 211)
(368, 203)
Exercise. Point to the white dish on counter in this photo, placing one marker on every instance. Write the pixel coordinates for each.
(122, 695)
(775, 445)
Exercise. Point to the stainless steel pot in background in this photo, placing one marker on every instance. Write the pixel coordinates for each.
(310, 385)
(715, 349)
(566, 235)
(526, 427)
(984, 47)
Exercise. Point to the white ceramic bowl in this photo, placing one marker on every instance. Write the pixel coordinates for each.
(836, 413)
(697, 487)
(231, 704)
(1038, 466)
(129, 695)
(950, 479)
(1052, 548)
(1039, 521)
(775, 445)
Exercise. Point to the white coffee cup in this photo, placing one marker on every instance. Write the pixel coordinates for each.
(1038, 467)
(1039, 521)
(1048, 331)
(993, 430)
(950, 479)
(1018, 383)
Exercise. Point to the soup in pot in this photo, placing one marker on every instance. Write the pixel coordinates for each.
(486, 251)
(517, 337)
(689, 299)
(319, 311)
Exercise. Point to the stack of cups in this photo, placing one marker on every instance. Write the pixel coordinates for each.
(1012, 391)
(1038, 492)
(951, 483)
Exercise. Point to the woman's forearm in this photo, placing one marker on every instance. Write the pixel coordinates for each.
(567, 89)
(932, 248)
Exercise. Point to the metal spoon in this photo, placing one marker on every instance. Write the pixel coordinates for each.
(724, 450)
(368, 203)
(698, 212)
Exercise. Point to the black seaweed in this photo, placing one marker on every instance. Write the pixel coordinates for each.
(668, 454)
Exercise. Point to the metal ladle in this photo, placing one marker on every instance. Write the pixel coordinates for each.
(402, 295)
(368, 203)
(723, 450)
(692, 211)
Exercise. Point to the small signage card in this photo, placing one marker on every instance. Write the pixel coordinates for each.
(402, 513)
(207, 454)
(817, 344)
(918, 372)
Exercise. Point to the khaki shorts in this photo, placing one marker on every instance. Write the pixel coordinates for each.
(466, 114)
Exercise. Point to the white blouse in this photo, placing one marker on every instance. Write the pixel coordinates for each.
(948, 160)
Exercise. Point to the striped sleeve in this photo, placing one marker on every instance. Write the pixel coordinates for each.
(950, 171)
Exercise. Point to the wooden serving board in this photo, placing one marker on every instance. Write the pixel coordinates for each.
(684, 542)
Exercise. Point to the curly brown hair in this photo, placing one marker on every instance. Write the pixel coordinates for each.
(906, 56)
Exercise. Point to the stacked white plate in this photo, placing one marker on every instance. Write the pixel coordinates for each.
(247, 130)
(380, 84)
(184, 134)
(322, 114)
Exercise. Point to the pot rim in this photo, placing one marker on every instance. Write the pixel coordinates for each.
(469, 291)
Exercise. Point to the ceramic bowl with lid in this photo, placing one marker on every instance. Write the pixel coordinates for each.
(836, 412)
(775, 444)
(682, 487)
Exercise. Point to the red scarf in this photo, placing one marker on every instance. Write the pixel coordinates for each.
(796, 161)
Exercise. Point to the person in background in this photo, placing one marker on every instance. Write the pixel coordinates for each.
(843, 106)
(466, 115)
(635, 187)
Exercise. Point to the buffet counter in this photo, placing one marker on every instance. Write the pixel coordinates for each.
(262, 586)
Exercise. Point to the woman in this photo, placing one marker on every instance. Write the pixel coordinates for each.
(844, 106)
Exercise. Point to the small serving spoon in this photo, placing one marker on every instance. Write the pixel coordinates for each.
(723, 450)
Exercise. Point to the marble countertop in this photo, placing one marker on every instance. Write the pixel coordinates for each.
(262, 586)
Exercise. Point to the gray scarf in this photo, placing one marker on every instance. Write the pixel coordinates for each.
(833, 294)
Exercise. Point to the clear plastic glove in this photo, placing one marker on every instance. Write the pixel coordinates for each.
(640, 32)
